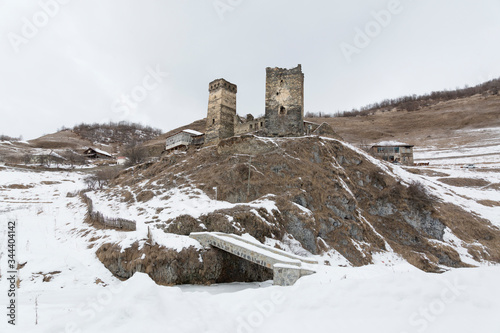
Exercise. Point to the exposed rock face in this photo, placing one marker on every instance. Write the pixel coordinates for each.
(190, 266)
(424, 222)
(327, 196)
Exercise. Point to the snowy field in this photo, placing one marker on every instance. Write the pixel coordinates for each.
(80, 295)
(482, 148)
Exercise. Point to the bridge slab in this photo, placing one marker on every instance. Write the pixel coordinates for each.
(287, 268)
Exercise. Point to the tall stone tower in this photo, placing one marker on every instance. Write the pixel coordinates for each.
(221, 111)
(285, 101)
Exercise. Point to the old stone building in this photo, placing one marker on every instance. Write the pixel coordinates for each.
(284, 112)
(248, 124)
(284, 101)
(221, 111)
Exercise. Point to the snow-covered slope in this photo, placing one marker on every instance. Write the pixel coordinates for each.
(482, 148)
(80, 295)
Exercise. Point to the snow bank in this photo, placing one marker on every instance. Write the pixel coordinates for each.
(368, 299)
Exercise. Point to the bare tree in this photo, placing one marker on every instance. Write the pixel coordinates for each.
(104, 176)
(27, 158)
(91, 182)
(136, 153)
(73, 158)
(101, 178)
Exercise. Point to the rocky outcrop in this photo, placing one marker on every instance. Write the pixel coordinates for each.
(189, 266)
(327, 196)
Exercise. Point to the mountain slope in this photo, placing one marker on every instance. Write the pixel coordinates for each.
(430, 126)
(312, 196)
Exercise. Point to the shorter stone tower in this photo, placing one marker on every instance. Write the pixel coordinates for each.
(284, 101)
(221, 111)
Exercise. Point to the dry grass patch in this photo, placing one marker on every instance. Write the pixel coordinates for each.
(20, 186)
(489, 203)
(495, 186)
(47, 277)
(464, 182)
(145, 196)
(48, 182)
(427, 172)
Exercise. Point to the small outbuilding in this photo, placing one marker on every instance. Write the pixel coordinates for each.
(184, 139)
(121, 160)
(394, 152)
(95, 153)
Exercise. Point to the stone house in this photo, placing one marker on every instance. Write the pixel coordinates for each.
(394, 152)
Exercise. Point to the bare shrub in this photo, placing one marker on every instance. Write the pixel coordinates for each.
(73, 158)
(10, 138)
(136, 153)
(419, 195)
(319, 114)
(13, 159)
(377, 178)
(101, 178)
(122, 132)
(104, 176)
(90, 182)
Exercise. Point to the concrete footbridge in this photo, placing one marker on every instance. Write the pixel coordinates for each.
(287, 268)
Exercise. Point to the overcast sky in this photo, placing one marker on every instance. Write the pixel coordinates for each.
(64, 62)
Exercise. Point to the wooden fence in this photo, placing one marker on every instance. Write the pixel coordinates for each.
(98, 218)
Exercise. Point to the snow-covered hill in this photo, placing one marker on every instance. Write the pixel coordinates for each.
(66, 288)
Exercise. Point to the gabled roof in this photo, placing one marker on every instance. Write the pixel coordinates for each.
(193, 132)
(102, 152)
(188, 131)
(392, 144)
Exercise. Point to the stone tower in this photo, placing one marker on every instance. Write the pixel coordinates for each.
(284, 101)
(221, 111)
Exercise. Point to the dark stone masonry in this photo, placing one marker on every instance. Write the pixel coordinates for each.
(284, 101)
(284, 113)
(221, 111)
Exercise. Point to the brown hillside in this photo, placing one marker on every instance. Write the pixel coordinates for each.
(356, 207)
(433, 125)
(60, 140)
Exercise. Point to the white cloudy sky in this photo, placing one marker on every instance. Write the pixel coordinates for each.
(77, 63)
